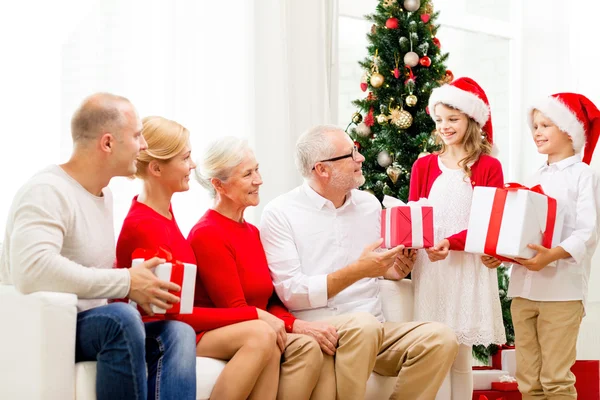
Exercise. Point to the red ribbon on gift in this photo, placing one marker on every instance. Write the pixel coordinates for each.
(493, 233)
(177, 270)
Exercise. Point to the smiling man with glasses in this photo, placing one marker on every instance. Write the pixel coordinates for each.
(321, 241)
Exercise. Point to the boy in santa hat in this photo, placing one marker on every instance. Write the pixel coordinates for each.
(548, 302)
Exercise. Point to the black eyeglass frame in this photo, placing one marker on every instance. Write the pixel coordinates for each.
(352, 154)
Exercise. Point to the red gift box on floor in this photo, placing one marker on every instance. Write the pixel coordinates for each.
(409, 225)
(587, 379)
(495, 395)
(183, 274)
(505, 386)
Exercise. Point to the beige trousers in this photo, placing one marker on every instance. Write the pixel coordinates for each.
(418, 353)
(545, 341)
(301, 366)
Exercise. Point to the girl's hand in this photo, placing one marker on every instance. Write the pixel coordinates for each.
(439, 251)
(490, 262)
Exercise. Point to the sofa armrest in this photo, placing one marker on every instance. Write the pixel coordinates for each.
(397, 300)
(37, 343)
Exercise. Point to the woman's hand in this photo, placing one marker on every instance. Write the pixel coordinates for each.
(439, 251)
(277, 325)
(326, 335)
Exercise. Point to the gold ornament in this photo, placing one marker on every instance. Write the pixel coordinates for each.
(401, 118)
(393, 171)
(411, 100)
(357, 118)
(376, 80)
(382, 119)
(423, 154)
(389, 3)
(428, 8)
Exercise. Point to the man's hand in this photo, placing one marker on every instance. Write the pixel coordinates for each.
(325, 334)
(543, 257)
(374, 264)
(277, 325)
(146, 289)
(403, 265)
(490, 262)
(439, 251)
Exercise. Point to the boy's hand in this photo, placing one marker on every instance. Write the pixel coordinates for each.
(543, 257)
(490, 262)
(439, 251)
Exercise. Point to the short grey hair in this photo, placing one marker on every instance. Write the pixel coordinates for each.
(219, 160)
(313, 146)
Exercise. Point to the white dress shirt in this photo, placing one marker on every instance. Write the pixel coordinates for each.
(576, 188)
(306, 238)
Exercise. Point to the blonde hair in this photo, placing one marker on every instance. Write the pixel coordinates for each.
(219, 160)
(165, 140)
(474, 142)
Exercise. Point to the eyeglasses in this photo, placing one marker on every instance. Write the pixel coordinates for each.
(354, 154)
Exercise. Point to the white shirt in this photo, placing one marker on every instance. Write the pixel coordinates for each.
(60, 238)
(576, 189)
(306, 238)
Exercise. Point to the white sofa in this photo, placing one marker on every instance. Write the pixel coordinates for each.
(37, 347)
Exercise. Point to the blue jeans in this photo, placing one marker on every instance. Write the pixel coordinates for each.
(115, 336)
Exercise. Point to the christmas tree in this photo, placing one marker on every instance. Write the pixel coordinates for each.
(405, 62)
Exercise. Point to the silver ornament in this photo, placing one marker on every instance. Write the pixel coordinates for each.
(412, 5)
(363, 130)
(384, 159)
(411, 59)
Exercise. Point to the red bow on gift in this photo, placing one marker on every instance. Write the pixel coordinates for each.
(498, 211)
(177, 269)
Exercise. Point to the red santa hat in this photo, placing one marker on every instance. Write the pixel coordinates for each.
(575, 115)
(465, 95)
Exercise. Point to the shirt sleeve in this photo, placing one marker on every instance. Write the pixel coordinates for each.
(296, 290)
(40, 223)
(585, 235)
(277, 308)
(414, 190)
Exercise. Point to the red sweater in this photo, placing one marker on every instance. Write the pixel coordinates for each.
(145, 228)
(233, 267)
(486, 171)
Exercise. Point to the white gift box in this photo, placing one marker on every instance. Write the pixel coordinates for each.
(483, 378)
(504, 221)
(184, 275)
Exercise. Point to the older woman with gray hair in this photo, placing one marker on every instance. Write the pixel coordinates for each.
(233, 269)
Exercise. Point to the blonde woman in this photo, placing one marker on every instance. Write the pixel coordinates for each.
(234, 334)
(233, 267)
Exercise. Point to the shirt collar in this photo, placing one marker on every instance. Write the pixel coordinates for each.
(564, 163)
(319, 201)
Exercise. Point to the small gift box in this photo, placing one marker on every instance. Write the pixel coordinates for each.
(503, 221)
(182, 274)
(506, 384)
(409, 224)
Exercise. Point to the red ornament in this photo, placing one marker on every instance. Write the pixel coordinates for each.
(369, 120)
(391, 23)
(427, 110)
(449, 76)
(371, 97)
(425, 61)
(357, 145)
(425, 18)
(436, 41)
(396, 73)
(363, 86)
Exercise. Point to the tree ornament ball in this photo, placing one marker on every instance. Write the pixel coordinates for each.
(425, 61)
(411, 100)
(363, 130)
(357, 118)
(376, 80)
(391, 23)
(401, 118)
(393, 171)
(412, 5)
(382, 119)
(411, 59)
(384, 159)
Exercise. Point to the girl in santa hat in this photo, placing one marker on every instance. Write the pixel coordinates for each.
(455, 288)
(548, 301)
